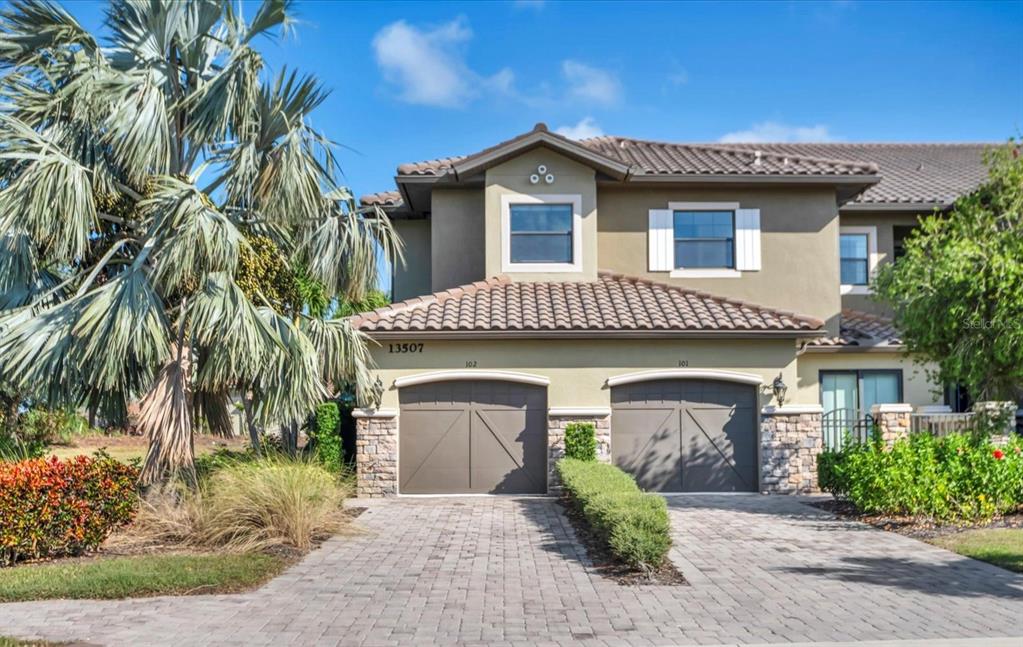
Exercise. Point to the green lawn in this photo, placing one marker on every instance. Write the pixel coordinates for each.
(137, 576)
(1000, 546)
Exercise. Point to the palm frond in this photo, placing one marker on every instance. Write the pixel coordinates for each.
(121, 335)
(226, 102)
(31, 31)
(271, 14)
(36, 353)
(343, 352)
(232, 339)
(214, 408)
(289, 386)
(343, 248)
(51, 198)
(194, 237)
(138, 128)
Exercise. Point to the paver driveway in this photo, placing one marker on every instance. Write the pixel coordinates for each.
(508, 571)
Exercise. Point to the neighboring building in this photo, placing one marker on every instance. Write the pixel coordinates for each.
(658, 290)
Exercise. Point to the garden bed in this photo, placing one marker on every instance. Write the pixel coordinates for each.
(608, 566)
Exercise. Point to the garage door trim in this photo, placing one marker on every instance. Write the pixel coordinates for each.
(686, 374)
(447, 376)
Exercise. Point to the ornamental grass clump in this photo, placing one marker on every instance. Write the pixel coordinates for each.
(956, 477)
(248, 505)
(632, 524)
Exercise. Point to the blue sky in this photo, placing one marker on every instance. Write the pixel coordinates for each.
(420, 80)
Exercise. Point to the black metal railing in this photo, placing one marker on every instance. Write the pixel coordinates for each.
(843, 426)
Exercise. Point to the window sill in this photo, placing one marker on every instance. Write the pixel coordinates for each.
(721, 273)
(564, 268)
(861, 290)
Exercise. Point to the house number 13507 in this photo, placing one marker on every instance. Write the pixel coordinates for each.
(404, 348)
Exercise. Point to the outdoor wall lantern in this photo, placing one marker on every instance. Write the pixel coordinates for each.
(779, 388)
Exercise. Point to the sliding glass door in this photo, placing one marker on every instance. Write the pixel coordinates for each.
(847, 398)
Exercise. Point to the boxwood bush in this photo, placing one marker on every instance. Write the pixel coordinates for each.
(53, 508)
(581, 441)
(954, 477)
(633, 524)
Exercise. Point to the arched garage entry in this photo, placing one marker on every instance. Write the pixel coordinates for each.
(472, 434)
(686, 432)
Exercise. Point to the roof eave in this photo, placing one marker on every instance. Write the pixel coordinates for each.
(864, 180)
(594, 334)
(876, 348)
(914, 207)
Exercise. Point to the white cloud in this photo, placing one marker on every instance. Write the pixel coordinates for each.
(426, 65)
(587, 127)
(591, 84)
(772, 131)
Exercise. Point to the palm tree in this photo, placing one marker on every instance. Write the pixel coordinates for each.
(132, 176)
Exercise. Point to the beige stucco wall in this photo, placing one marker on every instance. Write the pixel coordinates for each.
(456, 238)
(413, 279)
(579, 369)
(885, 224)
(799, 244)
(571, 178)
(916, 389)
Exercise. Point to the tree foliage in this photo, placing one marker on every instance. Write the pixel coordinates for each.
(142, 184)
(957, 292)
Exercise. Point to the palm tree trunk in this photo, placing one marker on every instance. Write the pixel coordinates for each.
(250, 423)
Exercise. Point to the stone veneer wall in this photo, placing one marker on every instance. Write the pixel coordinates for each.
(790, 442)
(893, 420)
(376, 456)
(556, 442)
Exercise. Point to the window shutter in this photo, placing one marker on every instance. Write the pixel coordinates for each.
(747, 240)
(662, 241)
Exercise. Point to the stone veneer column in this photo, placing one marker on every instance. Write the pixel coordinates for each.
(791, 438)
(995, 411)
(893, 420)
(376, 452)
(557, 420)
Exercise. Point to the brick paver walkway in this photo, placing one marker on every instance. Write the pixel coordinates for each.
(502, 571)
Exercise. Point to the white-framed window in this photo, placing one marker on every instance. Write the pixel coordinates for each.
(857, 253)
(704, 240)
(541, 233)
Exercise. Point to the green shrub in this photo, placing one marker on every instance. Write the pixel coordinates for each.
(327, 436)
(53, 508)
(581, 441)
(633, 524)
(12, 449)
(954, 477)
(50, 426)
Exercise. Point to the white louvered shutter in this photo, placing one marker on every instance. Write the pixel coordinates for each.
(747, 240)
(662, 241)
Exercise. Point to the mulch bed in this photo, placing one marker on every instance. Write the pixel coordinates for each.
(917, 527)
(605, 564)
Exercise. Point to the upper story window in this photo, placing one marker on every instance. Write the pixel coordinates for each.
(857, 258)
(704, 239)
(541, 233)
(855, 262)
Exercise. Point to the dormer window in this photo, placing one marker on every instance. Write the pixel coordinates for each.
(541, 233)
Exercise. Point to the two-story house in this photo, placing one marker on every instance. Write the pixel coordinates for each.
(668, 293)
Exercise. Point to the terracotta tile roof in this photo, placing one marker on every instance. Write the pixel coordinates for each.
(611, 304)
(382, 199)
(862, 330)
(658, 158)
(910, 173)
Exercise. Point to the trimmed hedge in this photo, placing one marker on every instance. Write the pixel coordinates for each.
(958, 476)
(633, 524)
(581, 441)
(54, 508)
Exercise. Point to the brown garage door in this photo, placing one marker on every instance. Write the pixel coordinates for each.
(686, 435)
(473, 437)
